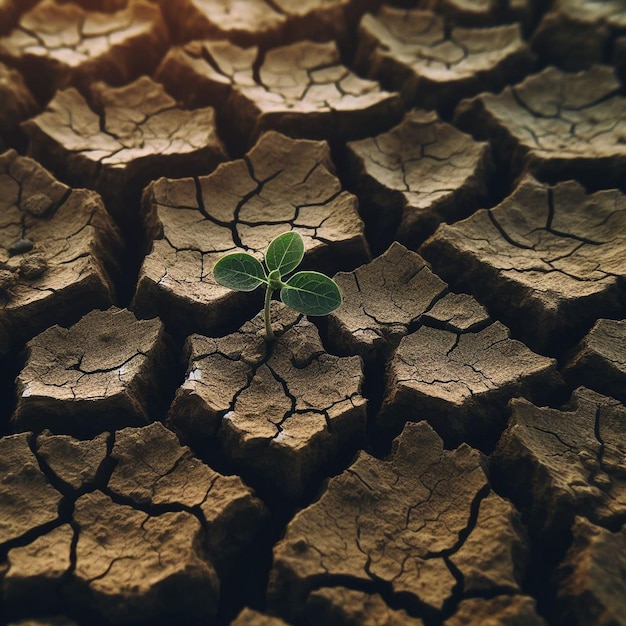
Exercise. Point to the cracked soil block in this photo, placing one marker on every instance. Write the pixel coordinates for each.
(433, 66)
(385, 299)
(575, 34)
(153, 470)
(57, 246)
(420, 173)
(281, 184)
(263, 22)
(599, 361)
(517, 610)
(560, 463)
(371, 324)
(556, 125)
(28, 501)
(340, 605)
(102, 373)
(249, 617)
(160, 528)
(548, 260)
(460, 379)
(38, 570)
(284, 414)
(132, 135)
(416, 524)
(129, 564)
(71, 46)
(76, 464)
(302, 90)
(591, 581)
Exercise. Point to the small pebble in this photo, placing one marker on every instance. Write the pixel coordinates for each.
(33, 266)
(38, 204)
(21, 246)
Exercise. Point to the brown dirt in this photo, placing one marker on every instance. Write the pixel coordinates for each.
(445, 449)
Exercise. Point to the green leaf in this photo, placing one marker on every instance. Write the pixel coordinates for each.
(311, 293)
(284, 253)
(240, 271)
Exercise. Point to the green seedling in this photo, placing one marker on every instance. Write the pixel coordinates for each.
(311, 293)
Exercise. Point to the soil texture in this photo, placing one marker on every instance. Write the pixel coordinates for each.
(445, 448)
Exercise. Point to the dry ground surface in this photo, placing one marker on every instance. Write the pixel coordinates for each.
(448, 448)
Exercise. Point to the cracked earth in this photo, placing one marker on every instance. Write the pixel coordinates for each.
(448, 448)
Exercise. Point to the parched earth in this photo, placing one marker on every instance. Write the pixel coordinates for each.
(447, 448)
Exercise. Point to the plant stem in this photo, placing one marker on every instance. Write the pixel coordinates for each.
(269, 333)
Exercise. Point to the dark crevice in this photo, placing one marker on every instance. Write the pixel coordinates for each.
(104, 472)
(452, 602)
(546, 550)
(539, 581)
(505, 235)
(470, 526)
(30, 536)
(246, 584)
(598, 435)
(379, 441)
(50, 475)
(133, 236)
(10, 367)
(154, 510)
(398, 601)
(169, 376)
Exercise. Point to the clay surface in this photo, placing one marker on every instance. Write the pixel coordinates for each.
(332, 605)
(71, 46)
(382, 300)
(17, 101)
(459, 167)
(282, 414)
(249, 617)
(58, 248)
(302, 90)
(460, 381)
(155, 521)
(498, 611)
(76, 464)
(555, 124)
(484, 12)
(420, 173)
(593, 587)
(574, 34)
(281, 184)
(600, 359)
(129, 562)
(152, 468)
(133, 134)
(264, 22)
(102, 373)
(572, 460)
(28, 500)
(412, 52)
(38, 569)
(408, 522)
(548, 259)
